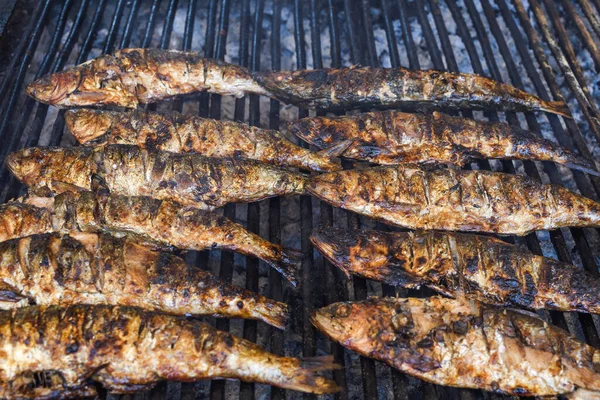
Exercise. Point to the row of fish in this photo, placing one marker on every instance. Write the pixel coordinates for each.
(402, 195)
(99, 221)
(132, 77)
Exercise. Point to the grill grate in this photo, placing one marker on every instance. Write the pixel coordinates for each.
(536, 46)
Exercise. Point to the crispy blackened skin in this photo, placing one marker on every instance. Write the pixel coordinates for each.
(354, 87)
(179, 133)
(138, 76)
(455, 200)
(464, 344)
(19, 220)
(101, 269)
(477, 267)
(128, 349)
(393, 137)
(160, 223)
(189, 179)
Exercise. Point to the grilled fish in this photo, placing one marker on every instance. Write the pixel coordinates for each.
(137, 76)
(160, 223)
(354, 87)
(132, 77)
(60, 351)
(446, 199)
(208, 137)
(392, 137)
(464, 344)
(101, 269)
(129, 170)
(459, 265)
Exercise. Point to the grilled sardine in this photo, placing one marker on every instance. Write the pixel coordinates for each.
(179, 133)
(136, 76)
(132, 77)
(446, 199)
(161, 223)
(60, 352)
(354, 87)
(392, 137)
(464, 344)
(459, 265)
(101, 269)
(129, 170)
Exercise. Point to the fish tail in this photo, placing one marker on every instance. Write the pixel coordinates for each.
(329, 158)
(288, 263)
(273, 312)
(305, 378)
(556, 107)
(319, 363)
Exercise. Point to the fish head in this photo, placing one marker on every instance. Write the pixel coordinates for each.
(27, 164)
(288, 86)
(87, 125)
(330, 187)
(100, 81)
(364, 326)
(348, 323)
(55, 89)
(55, 168)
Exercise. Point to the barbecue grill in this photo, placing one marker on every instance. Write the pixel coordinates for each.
(546, 47)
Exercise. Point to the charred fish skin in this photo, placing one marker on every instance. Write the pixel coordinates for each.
(194, 180)
(464, 344)
(56, 168)
(160, 224)
(393, 137)
(127, 349)
(52, 269)
(461, 265)
(18, 220)
(455, 200)
(355, 87)
(179, 133)
(132, 77)
(165, 223)
(189, 179)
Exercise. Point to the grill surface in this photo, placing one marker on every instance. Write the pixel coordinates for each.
(547, 47)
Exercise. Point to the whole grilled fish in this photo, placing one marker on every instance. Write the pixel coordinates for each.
(161, 223)
(354, 87)
(392, 137)
(62, 351)
(132, 77)
(464, 344)
(190, 179)
(208, 137)
(101, 269)
(454, 200)
(458, 265)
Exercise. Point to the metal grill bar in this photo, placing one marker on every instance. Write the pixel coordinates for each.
(481, 32)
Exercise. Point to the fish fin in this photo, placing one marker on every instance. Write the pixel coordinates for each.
(556, 107)
(397, 276)
(288, 264)
(337, 150)
(9, 294)
(98, 185)
(304, 376)
(274, 313)
(319, 363)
